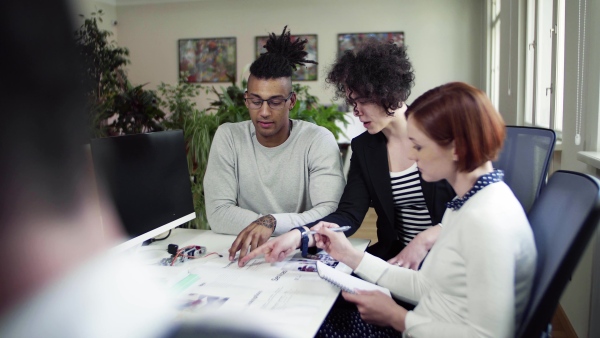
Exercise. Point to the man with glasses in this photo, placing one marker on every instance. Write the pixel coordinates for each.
(271, 174)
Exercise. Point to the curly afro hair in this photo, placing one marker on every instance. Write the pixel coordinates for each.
(379, 71)
(282, 57)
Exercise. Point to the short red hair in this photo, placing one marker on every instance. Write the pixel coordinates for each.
(461, 113)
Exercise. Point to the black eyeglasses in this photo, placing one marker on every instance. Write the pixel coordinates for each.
(275, 103)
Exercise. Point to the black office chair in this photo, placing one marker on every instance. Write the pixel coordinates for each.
(563, 219)
(525, 160)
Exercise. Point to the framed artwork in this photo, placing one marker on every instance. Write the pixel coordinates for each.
(208, 60)
(348, 41)
(307, 73)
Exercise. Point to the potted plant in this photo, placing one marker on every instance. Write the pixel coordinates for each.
(115, 106)
(199, 128)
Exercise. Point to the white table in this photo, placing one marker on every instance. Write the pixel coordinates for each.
(294, 303)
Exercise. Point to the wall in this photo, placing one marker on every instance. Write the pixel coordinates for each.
(577, 296)
(445, 37)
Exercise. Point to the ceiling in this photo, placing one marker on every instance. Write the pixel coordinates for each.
(141, 2)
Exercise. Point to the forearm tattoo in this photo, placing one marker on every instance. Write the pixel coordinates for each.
(267, 221)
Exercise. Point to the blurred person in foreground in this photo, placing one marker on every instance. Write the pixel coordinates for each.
(57, 280)
(477, 277)
(57, 276)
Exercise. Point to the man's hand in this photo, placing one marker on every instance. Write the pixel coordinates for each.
(253, 236)
(413, 254)
(276, 249)
(377, 308)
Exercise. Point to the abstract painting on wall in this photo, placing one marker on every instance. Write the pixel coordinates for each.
(348, 41)
(208, 60)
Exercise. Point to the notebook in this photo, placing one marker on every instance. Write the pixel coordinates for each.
(345, 281)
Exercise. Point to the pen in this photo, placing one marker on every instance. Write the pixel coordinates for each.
(340, 229)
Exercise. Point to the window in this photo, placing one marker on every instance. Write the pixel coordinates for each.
(545, 64)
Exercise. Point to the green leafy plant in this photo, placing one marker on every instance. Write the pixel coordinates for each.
(137, 111)
(198, 127)
(103, 70)
(110, 95)
(232, 95)
(307, 108)
(229, 105)
(306, 99)
(178, 100)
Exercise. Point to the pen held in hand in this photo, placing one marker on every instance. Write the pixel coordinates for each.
(340, 229)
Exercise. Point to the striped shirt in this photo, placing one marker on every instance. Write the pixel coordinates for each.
(412, 215)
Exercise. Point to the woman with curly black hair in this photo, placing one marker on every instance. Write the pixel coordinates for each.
(376, 80)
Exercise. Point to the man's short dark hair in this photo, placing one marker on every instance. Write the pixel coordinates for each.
(283, 56)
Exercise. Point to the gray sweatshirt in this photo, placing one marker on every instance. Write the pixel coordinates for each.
(297, 182)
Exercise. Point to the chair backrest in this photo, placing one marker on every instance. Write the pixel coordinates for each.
(563, 219)
(525, 160)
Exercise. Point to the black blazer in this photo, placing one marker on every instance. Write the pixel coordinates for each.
(369, 185)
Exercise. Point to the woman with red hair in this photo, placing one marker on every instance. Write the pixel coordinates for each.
(477, 277)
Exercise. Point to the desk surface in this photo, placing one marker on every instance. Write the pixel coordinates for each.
(277, 295)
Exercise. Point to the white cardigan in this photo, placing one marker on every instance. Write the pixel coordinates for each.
(475, 281)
